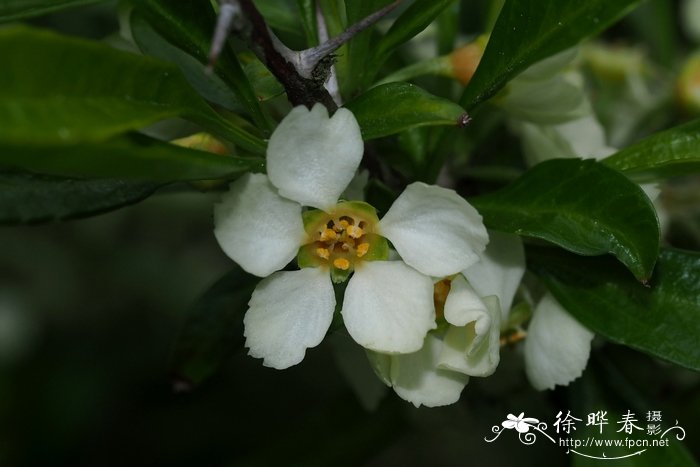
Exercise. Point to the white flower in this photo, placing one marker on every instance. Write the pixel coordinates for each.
(557, 346)
(388, 305)
(468, 342)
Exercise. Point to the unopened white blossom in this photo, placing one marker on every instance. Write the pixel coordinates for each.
(467, 343)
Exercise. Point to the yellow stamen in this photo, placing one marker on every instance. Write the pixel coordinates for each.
(362, 249)
(512, 337)
(341, 263)
(323, 253)
(440, 291)
(328, 234)
(342, 225)
(355, 232)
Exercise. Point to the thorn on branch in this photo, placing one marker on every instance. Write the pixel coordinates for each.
(303, 74)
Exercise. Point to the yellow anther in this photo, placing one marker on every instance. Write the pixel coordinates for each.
(323, 253)
(362, 249)
(341, 263)
(343, 224)
(328, 234)
(355, 232)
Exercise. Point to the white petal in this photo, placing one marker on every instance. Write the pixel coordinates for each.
(289, 312)
(435, 230)
(381, 365)
(257, 228)
(550, 66)
(463, 305)
(583, 137)
(500, 269)
(388, 307)
(311, 158)
(557, 346)
(417, 379)
(586, 136)
(474, 349)
(554, 100)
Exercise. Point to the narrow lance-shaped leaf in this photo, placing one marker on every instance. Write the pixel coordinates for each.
(210, 86)
(189, 26)
(214, 328)
(393, 107)
(12, 10)
(134, 157)
(307, 10)
(30, 198)
(665, 154)
(357, 74)
(528, 31)
(662, 319)
(582, 206)
(411, 22)
(99, 93)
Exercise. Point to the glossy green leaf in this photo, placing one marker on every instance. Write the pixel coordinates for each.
(411, 22)
(582, 206)
(208, 85)
(528, 31)
(134, 157)
(98, 93)
(280, 16)
(357, 73)
(214, 328)
(394, 107)
(30, 198)
(189, 26)
(11, 10)
(264, 83)
(307, 10)
(662, 319)
(665, 154)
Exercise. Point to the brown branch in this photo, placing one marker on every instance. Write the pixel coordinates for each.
(303, 74)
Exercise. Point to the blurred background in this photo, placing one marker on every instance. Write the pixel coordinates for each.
(91, 311)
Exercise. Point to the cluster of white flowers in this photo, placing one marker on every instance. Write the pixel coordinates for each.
(389, 306)
(425, 295)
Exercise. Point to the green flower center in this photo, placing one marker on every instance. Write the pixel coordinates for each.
(342, 239)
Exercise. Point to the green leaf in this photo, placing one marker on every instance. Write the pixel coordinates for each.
(307, 9)
(30, 198)
(411, 22)
(11, 10)
(214, 328)
(394, 107)
(135, 157)
(208, 85)
(265, 84)
(64, 90)
(281, 16)
(582, 206)
(528, 31)
(357, 73)
(662, 319)
(665, 154)
(188, 26)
